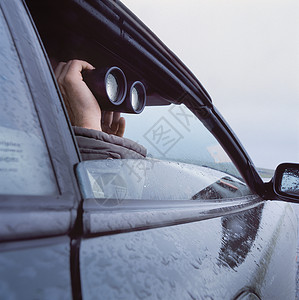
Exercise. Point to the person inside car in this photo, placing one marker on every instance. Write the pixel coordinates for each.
(99, 133)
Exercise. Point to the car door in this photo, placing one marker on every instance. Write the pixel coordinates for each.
(161, 228)
(38, 190)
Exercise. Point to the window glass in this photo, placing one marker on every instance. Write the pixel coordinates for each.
(25, 166)
(174, 133)
(184, 162)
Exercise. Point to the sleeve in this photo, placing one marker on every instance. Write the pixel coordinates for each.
(94, 144)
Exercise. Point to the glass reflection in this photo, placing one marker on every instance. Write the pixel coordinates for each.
(290, 181)
(238, 234)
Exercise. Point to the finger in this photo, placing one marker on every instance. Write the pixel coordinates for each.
(77, 66)
(107, 119)
(60, 73)
(115, 122)
(121, 127)
(58, 69)
(65, 72)
(71, 71)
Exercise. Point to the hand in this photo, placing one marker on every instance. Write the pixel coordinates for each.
(82, 107)
(113, 123)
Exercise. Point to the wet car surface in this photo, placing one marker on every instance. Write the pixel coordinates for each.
(192, 221)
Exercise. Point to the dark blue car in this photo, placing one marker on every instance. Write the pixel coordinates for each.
(193, 220)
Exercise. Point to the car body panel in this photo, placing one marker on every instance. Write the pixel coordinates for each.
(35, 270)
(210, 259)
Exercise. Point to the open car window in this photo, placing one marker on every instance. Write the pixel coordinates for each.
(173, 132)
(184, 162)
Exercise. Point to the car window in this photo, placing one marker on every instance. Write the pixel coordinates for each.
(184, 162)
(25, 167)
(174, 133)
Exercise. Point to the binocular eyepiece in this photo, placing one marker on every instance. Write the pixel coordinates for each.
(113, 92)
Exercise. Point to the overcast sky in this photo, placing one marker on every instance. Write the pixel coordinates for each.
(246, 54)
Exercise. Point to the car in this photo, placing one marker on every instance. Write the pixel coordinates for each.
(193, 220)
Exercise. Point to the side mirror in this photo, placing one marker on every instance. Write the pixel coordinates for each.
(286, 181)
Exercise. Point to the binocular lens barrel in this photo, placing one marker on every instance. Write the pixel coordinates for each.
(112, 87)
(109, 86)
(137, 96)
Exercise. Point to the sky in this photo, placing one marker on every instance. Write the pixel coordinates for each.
(246, 55)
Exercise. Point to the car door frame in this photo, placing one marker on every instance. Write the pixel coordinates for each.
(56, 130)
(59, 211)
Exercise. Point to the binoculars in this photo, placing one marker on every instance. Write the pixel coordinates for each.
(113, 92)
